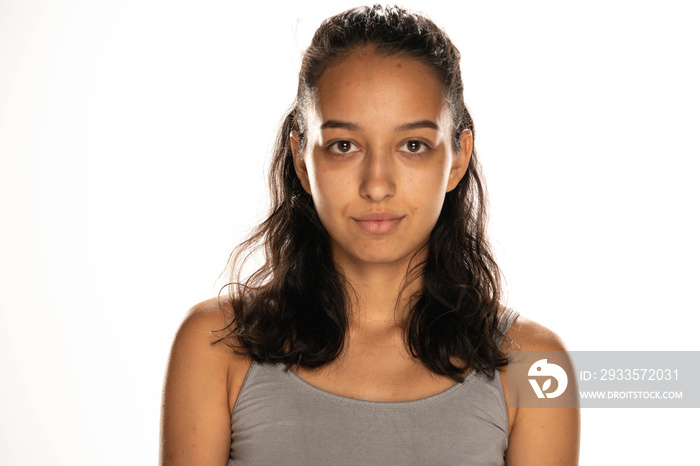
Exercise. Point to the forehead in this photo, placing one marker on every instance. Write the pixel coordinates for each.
(365, 86)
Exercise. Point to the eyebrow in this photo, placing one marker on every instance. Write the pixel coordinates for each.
(417, 125)
(336, 124)
(340, 125)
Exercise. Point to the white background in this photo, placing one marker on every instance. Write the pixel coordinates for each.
(133, 141)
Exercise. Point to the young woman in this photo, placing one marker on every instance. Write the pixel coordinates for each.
(373, 334)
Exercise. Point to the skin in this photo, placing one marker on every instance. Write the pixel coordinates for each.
(363, 155)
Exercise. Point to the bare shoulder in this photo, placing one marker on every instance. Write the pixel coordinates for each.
(199, 332)
(206, 319)
(200, 336)
(201, 386)
(539, 436)
(528, 335)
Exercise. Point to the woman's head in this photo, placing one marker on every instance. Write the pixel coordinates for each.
(378, 157)
(382, 32)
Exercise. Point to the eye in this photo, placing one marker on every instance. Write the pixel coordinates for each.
(342, 147)
(414, 147)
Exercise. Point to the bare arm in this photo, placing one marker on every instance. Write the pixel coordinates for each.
(200, 381)
(542, 436)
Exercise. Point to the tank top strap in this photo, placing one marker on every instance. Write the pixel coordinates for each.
(505, 322)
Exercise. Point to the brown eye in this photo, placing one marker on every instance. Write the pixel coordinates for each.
(342, 147)
(414, 147)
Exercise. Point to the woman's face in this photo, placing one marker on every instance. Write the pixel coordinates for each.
(378, 158)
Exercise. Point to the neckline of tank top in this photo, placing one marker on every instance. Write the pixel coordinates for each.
(504, 322)
(376, 404)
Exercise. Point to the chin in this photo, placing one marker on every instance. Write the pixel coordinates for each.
(386, 258)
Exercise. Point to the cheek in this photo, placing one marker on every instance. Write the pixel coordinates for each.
(429, 204)
(329, 189)
(427, 198)
(428, 188)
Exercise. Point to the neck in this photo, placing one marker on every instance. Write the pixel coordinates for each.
(379, 294)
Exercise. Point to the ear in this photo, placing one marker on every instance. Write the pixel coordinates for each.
(461, 162)
(298, 160)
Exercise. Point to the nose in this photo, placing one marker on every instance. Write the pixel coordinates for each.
(378, 177)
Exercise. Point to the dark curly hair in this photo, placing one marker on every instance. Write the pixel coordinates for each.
(292, 310)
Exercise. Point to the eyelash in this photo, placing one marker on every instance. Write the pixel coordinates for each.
(422, 148)
(334, 145)
(333, 148)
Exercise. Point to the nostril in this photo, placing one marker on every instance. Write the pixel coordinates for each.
(377, 189)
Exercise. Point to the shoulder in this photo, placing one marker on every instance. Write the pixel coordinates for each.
(205, 320)
(198, 341)
(201, 385)
(528, 335)
(538, 436)
(198, 334)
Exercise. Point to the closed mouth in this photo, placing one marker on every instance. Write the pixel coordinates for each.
(378, 217)
(379, 222)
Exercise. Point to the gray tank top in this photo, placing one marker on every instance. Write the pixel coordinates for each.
(279, 419)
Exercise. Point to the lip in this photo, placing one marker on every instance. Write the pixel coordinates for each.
(378, 222)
